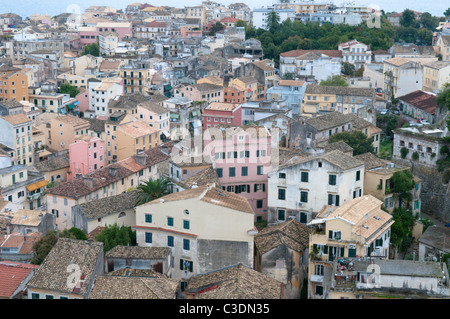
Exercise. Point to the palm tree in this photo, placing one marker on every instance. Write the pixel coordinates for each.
(152, 189)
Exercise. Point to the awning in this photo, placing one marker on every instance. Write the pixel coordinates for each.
(36, 185)
(71, 106)
(174, 115)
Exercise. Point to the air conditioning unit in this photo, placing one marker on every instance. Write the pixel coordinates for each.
(301, 204)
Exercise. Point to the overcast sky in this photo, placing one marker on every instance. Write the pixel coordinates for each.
(27, 7)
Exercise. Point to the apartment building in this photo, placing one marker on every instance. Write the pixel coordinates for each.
(297, 189)
(14, 84)
(16, 134)
(357, 230)
(442, 47)
(136, 137)
(86, 154)
(222, 113)
(201, 92)
(242, 159)
(435, 76)
(356, 53)
(205, 227)
(401, 76)
(135, 80)
(64, 129)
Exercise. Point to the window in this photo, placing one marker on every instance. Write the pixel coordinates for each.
(186, 224)
(304, 177)
(282, 193)
(319, 270)
(259, 170)
(336, 235)
(333, 199)
(304, 197)
(282, 175)
(170, 241)
(186, 244)
(231, 171)
(148, 218)
(169, 221)
(148, 238)
(219, 172)
(358, 175)
(259, 203)
(332, 179)
(244, 171)
(281, 215)
(35, 295)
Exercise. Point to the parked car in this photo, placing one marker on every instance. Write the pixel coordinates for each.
(396, 112)
(425, 122)
(384, 112)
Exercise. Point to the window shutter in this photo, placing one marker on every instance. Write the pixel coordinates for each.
(314, 247)
(255, 188)
(330, 234)
(181, 264)
(337, 200)
(330, 200)
(248, 188)
(264, 187)
(342, 251)
(191, 266)
(325, 249)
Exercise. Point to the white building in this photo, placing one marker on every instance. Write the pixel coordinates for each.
(302, 186)
(260, 16)
(101, 93)
(356, 53)
(401, 76)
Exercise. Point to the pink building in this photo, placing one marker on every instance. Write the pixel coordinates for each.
(190, 32)
(89, 35)
(222, 113)
(86, 155)
(242, 159)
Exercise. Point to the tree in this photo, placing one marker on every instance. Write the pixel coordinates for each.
(443, 100)
(152, 189)
(44, 245)
(240, 23)
(68, 88)
(216, 27)
(428, 21)
(92, 49)
(335, 80)
(402, 184)
(113, 235)
(357, 140)
(408, 18)
(401, 230)
(273, 21)
(348, 69)
(447, 13)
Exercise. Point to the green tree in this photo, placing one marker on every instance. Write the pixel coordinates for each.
(401, 230)
(447, 13)
(114, 235)
(348, 69)
(402, 184)
(443, 100)
(408, 18)
(357, 140)
(216, 27)
(44, 245)
(240, 23)
(92, 49)
(152, 189)
(428, 21)
(68, 88)
(273, 21)
(425, 36)
(335, 80)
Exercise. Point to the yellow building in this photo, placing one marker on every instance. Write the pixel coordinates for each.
(248, 84)
(13, 84)
(377, 181)
(354, 231)
(135, 137)
(435, 76)
(64, 129)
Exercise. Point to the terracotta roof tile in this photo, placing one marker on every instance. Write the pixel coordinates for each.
(12, 274)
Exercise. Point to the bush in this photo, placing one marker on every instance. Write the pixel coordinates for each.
(403, 152)
(415, 156)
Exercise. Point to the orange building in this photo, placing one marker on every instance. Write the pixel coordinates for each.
(13, 84)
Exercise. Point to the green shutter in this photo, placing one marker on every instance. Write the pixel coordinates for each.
(330, 234)
(191, 266)
(337, 200)
(330, 200)
(342, 251)
(314, 247)
(325, 249)
(181, 264)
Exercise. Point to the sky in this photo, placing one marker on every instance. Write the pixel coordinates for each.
(25, 8)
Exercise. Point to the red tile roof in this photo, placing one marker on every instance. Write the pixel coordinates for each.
(421, 100)
(12, 274)
(296, 53)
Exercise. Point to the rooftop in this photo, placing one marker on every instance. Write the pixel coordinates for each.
(138, 252)
(12, 274)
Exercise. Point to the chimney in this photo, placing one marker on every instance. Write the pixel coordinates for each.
(88, 181)
(141, 159)
(113, 171)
